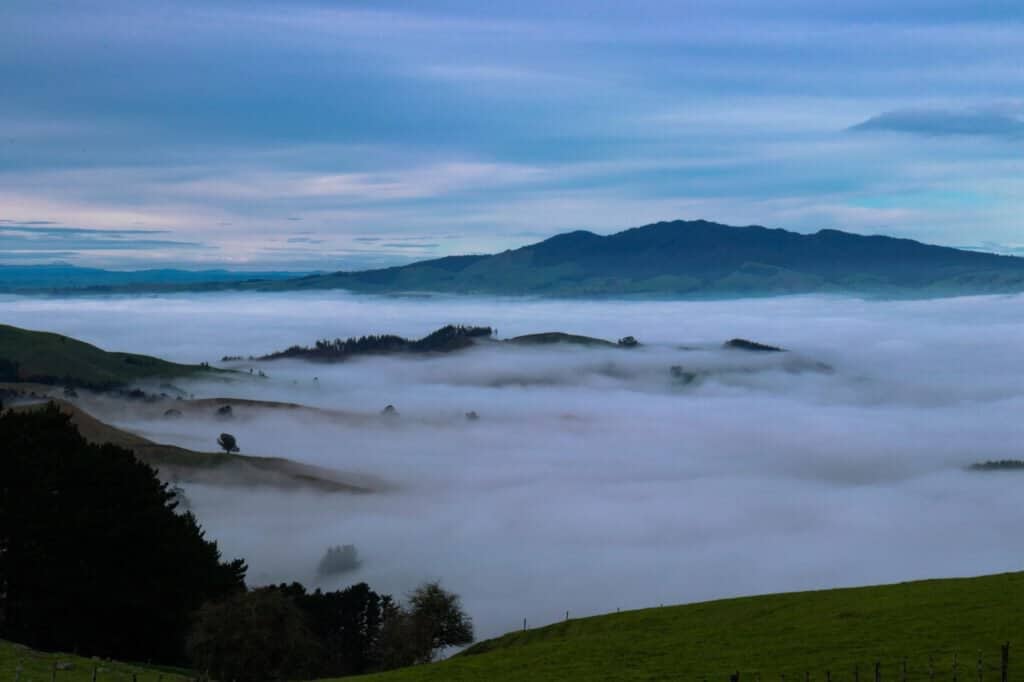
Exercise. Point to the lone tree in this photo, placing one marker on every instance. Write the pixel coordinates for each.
(438, 620)
(228, 443)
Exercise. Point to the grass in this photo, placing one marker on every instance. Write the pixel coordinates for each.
(790, 634)
(37, 666)
(49, 358)
(796, 634)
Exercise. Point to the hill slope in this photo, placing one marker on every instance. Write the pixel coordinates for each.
(790, 634)
(187, 466)
(20, 662)
(48, 358)
(696, 258)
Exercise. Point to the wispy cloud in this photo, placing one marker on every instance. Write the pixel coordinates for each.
(946, 122)
(227, 123)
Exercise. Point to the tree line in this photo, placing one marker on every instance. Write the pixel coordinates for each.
(97, 559)
(446, 339)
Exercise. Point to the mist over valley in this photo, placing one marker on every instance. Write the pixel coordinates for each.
(594, 477)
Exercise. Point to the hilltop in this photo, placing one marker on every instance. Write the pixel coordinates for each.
(48, 358)
(696, 258)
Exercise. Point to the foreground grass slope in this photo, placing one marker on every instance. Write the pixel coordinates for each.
(43, 357)
(37, 666)
(774, 635)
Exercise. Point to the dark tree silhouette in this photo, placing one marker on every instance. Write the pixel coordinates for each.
(227, 443)
(348, 624)
(257, 636)
(94, 557)
(433, 621)
(439, 619)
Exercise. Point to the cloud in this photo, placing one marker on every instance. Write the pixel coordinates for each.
(947, 122)
(42, 237)
(592, 480)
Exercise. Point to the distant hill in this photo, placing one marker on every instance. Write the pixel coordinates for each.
(805, 635)
(673, 259)
(447, 339)
(444, 340)
(48, 358)
(695, 258)
(60, 276)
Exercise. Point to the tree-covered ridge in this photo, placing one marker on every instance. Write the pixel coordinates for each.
(444, 340)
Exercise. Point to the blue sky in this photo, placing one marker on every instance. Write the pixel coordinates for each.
(354, 134)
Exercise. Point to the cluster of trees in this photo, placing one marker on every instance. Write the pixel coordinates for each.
(94, 555)
(448, 338)
(285, 632)
(97, 558)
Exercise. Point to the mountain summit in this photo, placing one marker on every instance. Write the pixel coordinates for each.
(698, 258)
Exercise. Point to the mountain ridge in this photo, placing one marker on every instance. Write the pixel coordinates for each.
(697, 258)
(679, 259)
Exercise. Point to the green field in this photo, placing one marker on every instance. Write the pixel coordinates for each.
(47, 358)
(770, 636)
(804, 635)
(24, 664)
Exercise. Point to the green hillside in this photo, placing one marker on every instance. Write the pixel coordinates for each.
(37, 666)
(797, 634)
(48, 358)
(784, 634)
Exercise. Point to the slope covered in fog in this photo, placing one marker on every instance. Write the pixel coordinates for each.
(697, 258)
(597, 477)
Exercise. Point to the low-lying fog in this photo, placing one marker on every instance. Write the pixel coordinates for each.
(594, 479)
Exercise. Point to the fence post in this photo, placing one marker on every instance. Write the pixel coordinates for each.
(17, 672)
(903, 673)
(856, 672)
(53, 672)
(931, 669)
(1004, 662)
(878, 671)
(524, 625)
(94, 673)
(979, 666)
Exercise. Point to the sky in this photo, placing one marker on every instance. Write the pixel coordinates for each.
(348, 135)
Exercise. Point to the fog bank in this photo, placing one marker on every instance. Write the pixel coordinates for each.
(594, 478)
